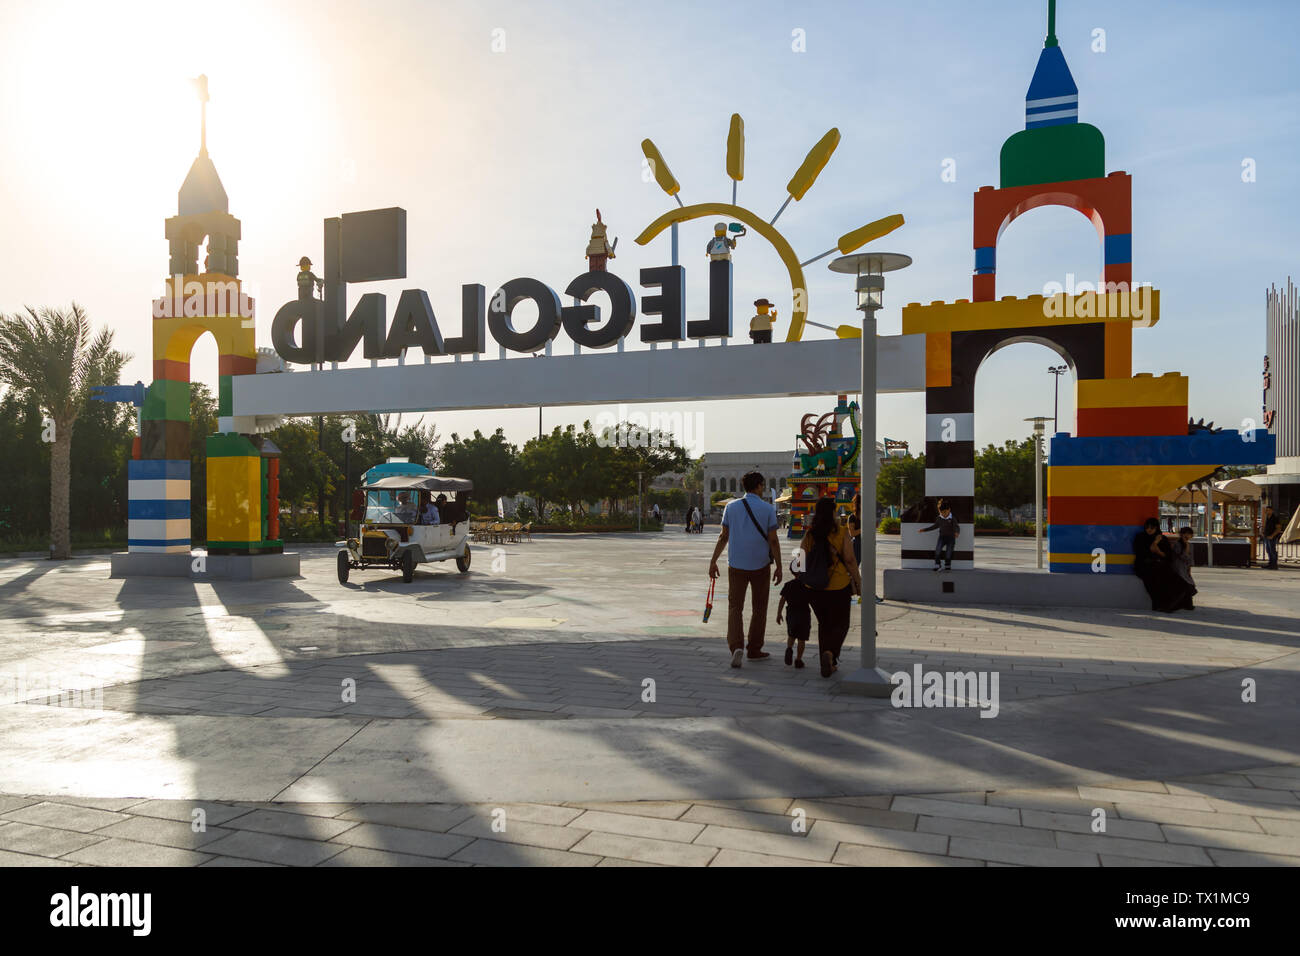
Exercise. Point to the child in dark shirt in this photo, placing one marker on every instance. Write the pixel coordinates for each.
(798, 620)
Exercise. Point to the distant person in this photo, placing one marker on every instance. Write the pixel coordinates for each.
(798, 620)
(655, 511)
(1183, 559)
(749, 535)
(831, 577)
(948, 528)
(406, 510)
(1272, 531)
(697, 520)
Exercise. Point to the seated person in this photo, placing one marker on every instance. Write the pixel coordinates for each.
(430, 515)
(405, 510)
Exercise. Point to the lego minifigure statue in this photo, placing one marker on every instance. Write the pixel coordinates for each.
(720, 246)
(599, 249)
(308, 284)
(760, 326)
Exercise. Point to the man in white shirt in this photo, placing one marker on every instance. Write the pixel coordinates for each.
(430, 514)
(749, 534)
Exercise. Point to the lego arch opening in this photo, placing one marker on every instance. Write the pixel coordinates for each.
(1046, 250)
(1013, 383)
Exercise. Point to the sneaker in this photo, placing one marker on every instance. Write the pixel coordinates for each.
(879, 599)
(799, 662)
(789, 656)
(737, 656)
(760, 656)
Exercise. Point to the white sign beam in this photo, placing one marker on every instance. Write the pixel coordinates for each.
(822, 367)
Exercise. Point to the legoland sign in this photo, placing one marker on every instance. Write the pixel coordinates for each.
(369, 246)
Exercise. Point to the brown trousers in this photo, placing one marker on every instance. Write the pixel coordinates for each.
(737, 582)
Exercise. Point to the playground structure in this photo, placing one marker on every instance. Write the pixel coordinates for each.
(829, 464)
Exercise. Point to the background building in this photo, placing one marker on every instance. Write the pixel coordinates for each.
(1282, 396)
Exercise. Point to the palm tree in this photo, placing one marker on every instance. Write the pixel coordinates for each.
(50, 356)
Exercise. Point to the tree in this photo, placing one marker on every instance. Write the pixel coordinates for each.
(1004, 477)
(911, 470)
(489, 461)
(50, 354)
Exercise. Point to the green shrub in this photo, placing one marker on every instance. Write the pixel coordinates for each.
(890, 526)
(989, 521)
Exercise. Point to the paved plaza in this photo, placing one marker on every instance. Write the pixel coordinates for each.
(565, 704)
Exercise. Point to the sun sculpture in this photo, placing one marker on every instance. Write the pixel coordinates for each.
(802, 181)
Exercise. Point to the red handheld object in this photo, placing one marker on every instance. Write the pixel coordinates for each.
(708, 600)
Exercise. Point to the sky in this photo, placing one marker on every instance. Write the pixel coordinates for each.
(501, 127)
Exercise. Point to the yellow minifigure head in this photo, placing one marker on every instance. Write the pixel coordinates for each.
(762, 305)
(304, 264)
(719, 228)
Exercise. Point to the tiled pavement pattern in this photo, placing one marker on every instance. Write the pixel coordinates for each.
(1229, 819)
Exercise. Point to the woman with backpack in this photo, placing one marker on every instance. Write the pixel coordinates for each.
(831, 576)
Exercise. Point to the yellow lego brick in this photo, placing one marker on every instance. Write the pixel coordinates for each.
(1119, 481)
(1068, 558)
(234, 499)
(938, 360)
(1141, 391)
(1035, 310)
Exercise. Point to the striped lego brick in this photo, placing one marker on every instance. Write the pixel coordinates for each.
(1061, 563)
(155, 469)
(938, 359)
(1103, 510)
(1127, 481)
(158, 488)
(1202, 450)
(159, 509)
(1119, 248)
(945, 482)
(949, 454)
(1133, 420)
(1082, 539)
(950, 427)
(158, 535)
(159, 545)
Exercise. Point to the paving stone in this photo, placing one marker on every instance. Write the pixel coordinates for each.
(364, 856)
(65, 817)
(741, 858)
(1121, 797)
(663, 809)
(548, 813)
(251, 845)
(496, 853)
(1116, 861)
(438, 817)
(978, 830)
(114, 852)
(173, 833)
(224, 861)
(615, 861)
(846, 813)
(829, 831)
(215, 814)
(1225, 839)
(778, 823)
(8, 859)
(956, 810)
(302, 826)
(1138, 849)
(43, 841)
(799, 846)
(645, 850)
(8, 803)
(757, 804)
(1082, 823)
(1018, 853)
(521, 831)
(854, 855)
(629, 825)
(402, 840)
(1154, 816)
(309, 809)
(1247, 858)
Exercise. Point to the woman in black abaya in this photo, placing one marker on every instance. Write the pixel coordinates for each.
(1152, 563)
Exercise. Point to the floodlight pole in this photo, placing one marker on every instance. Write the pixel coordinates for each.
(1039, 421)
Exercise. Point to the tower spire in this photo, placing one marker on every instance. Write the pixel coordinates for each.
(201, 83)
(1051, 24)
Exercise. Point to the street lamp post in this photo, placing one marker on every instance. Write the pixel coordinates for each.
(1057, 371)
(348, 437)
(901, 481)
(869, 267)
(1039, 421)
